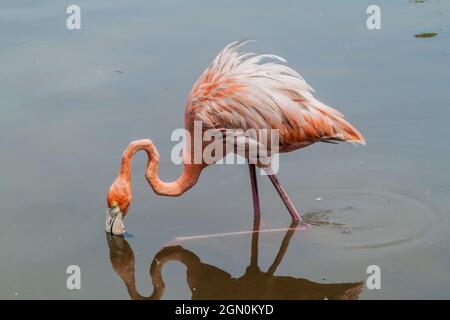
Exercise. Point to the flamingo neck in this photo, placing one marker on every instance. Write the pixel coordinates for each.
(186, 180)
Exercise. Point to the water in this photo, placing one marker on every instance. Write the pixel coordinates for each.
(70, 102)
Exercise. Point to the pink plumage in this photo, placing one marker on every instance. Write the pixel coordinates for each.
(251, 91)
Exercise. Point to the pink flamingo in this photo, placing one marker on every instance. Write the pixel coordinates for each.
(238, 91)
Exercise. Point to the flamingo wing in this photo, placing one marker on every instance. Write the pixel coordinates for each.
(251, 91)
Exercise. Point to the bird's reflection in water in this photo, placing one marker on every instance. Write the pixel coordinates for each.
(209, 282)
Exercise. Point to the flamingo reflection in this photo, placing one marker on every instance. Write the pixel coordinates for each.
(209, 282)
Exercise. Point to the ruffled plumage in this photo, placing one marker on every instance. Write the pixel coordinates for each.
(251, 91)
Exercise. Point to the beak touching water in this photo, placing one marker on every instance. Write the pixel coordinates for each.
(114, 220)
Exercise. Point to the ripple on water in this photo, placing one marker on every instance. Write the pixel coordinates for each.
(368, 219)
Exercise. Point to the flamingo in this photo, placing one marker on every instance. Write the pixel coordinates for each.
(238, 91)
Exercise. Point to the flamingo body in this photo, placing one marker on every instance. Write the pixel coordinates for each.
(238, 91)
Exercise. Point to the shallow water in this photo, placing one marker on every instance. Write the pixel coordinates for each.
(70, 101)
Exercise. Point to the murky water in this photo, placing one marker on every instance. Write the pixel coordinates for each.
(70, 101)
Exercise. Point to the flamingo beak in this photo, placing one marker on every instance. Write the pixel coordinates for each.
(114, 220)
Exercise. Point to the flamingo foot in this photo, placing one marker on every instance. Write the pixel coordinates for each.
(300, 225)
(303, 226)
(114, 221)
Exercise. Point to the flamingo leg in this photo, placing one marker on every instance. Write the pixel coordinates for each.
(283, 195)
(255, 195)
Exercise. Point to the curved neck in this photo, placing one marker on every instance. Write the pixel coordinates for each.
(186, 180)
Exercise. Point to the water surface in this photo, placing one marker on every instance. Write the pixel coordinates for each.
(70, 101)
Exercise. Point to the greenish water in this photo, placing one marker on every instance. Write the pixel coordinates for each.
(70, 102)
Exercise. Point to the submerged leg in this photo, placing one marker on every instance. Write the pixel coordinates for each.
(288, 203)
(255, 195)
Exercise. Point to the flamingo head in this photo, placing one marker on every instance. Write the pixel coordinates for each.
(118, 200)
